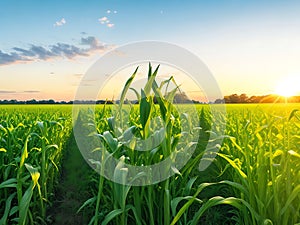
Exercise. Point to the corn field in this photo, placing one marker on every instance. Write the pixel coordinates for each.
(31, 146)
(253, 178)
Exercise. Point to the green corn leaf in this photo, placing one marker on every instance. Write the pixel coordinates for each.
(217, 200)
(13, 210)
(51, 146)
(145, 109)
(129, 133)
(177, 200)
(151, 80)
(126, 87)
(120, 177)
(3, 220)
(165, 82)
(236, 185)
(149, 70)
(295, 193)
(12, 182)
(148, 85)
(110, 216)
(88, 202)
(35, 175)
(137, 94)
(170, 96)
(277, 153)
(186, 206)
(137, 218)
(24, 204)
(110, 140)
(234, 165)
(294, 114)
(24, 152)
(189, 185)
(111, 123)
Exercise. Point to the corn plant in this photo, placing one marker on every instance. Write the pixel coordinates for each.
(155, 203)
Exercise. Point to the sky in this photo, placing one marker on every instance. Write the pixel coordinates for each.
(46, 47)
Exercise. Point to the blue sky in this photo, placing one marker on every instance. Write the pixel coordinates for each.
(248, 45)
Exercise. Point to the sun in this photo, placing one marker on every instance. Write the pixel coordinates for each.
(288, 86)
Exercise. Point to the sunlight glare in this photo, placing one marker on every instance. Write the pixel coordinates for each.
(288, 86)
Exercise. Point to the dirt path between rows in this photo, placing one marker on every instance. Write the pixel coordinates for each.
(73, 189)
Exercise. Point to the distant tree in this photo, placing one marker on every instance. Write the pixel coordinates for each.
(243, 98)
(234, 98)
(252, 99)
(219, 101)
(32, 101)
(13, 101)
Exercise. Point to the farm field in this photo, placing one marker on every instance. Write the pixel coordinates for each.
(254, 178)
(149, 113)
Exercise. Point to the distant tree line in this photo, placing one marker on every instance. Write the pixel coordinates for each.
(181, 98)
(243, 98)
(51, 101)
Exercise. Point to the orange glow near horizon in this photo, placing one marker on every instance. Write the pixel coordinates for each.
(288, 86)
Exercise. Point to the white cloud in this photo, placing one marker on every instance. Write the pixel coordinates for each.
(110, 11)
(103, 19)
(60, 22)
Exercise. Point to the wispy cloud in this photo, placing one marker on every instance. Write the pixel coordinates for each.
(7, 92)
(16, 92)
(32, 91)
(7, 58)
(67, 50)
(58, 50)
(91, 41)
(110, 25)
(60, 22)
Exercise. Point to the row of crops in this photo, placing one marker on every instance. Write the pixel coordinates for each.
(32, 139)
(251, 177)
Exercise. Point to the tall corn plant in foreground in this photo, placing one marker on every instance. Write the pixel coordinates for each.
(122, 144)
(172, 201)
